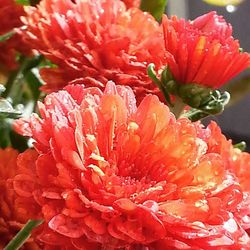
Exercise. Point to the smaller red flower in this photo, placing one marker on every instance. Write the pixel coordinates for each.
(203, 51)
(13, 213)
(10, 13)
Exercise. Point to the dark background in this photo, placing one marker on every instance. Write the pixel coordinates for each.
(235, 120)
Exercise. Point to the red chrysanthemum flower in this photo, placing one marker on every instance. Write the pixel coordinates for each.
(94, 40)
(121, 177)
(10, 13)
(12, 213)
(203, 51)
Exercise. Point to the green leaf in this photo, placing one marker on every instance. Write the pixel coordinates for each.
(47, 63)
(9, 138)
(15, 140)
(23, 2)
(23, 235)
(155, 7)
(34, 84)
(7, 36)
(5, 129)
(7, 111)
(16, 79)
(241, 146)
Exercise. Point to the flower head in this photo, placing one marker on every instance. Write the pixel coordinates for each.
(116, 175)
(94, 40)
(12, 213)
(10, 13)
(203, 51)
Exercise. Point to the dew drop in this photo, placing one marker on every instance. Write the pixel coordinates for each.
(231, 226)
(200, 179)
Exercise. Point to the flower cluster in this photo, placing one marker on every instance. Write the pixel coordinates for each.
(130, 176)
(111, 166)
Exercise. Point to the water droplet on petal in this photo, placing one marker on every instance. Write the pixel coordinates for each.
(231, 226)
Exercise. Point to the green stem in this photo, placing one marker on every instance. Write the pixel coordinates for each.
(7, 36)
(9, 83)
(23, 235)
(152, 75)
(15, 77)
(14, 83)
(195, 115)
(178, 107)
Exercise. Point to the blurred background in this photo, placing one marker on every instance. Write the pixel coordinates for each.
(235, 120)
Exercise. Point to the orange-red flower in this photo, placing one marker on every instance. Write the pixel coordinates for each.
(203, 51)
(10, 13)
(94, 40)
(12, 213)
(116, 175)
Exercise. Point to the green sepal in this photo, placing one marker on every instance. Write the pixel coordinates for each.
(155, 7)
(166, 75)
(214, 106)
(194, 95)
(241, 146)
(153, 76)
(217, 102)
(172, 87)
